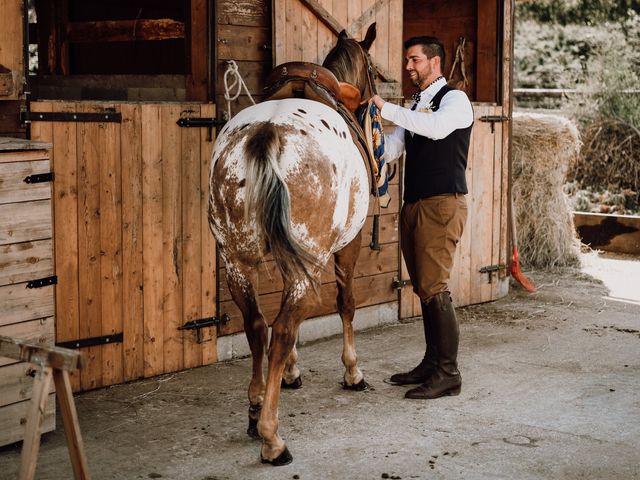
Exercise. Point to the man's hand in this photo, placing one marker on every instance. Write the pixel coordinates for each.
(378, 101)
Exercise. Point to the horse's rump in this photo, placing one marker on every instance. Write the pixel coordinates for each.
(288, 176)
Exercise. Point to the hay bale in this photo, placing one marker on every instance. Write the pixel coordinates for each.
(544, 147)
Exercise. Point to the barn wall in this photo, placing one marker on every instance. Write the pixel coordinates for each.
(11, 68)
(243, 35)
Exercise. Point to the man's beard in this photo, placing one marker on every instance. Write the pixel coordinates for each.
(417, 80)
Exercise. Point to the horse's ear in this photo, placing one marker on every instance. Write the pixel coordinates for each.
(369, 37)
(343, 36)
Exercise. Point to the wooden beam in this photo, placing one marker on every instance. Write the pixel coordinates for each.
(54, 357)
(124, 30)
(336, 27)
(367, 16)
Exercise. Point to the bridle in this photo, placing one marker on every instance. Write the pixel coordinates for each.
(370, 71)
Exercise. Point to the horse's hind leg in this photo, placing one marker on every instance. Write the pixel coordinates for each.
(345, 265)
(284, 331)
(242, 281)
(291, 378)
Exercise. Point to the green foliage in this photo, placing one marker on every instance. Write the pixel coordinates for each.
(585, 12)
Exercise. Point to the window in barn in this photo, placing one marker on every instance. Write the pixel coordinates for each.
(119, 49)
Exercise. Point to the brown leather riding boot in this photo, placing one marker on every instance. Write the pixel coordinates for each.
(445, 379)
(428, 364)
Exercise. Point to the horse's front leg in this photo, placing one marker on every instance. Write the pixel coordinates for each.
(242, 281)
(345, 265)
(283, 336)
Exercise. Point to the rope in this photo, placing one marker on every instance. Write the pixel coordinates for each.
(237, 83)
(460, 57)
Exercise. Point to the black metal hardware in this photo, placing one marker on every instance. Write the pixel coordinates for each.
(109, 117)
(39, 178)
(93, 341)
(201, 323)
(199, 122)
(42, 282)
(375, 234)
(398, 284)
(493, 119)
(491, 269)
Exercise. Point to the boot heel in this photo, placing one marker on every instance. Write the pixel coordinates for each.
(455, 391)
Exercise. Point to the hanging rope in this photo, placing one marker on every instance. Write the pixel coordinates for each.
(236, 83)
(460, 58)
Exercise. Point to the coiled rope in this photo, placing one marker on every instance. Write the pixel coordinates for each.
(236, 82)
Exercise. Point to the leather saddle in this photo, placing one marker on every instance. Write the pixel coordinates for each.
(315, 82)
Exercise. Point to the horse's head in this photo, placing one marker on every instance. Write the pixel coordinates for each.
(349, 61)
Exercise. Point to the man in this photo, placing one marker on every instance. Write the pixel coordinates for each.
(435, 133)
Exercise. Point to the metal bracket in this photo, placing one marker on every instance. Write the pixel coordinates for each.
(93, 341)
(199, 122)
(39, 178)
(398, 284)
(201, 323)
(43, 282)
(493, 119)
(491, 269)
(102, 117)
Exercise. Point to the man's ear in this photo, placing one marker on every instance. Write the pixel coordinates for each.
(369, 37)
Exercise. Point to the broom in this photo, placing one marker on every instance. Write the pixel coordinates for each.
(516, 272)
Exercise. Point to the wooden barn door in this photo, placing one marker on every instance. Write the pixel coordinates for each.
(133, 253)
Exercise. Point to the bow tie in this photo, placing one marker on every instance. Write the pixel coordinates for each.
(416, 97)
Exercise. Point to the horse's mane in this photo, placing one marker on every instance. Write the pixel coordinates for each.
(346, 62)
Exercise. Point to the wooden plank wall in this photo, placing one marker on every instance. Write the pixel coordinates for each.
(243, 35)
(133, 251)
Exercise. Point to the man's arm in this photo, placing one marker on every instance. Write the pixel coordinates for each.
(394, 144)
(455, 112)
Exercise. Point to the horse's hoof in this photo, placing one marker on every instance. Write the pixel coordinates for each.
(356, 387)
(285, 458)
(296, 384)
(252, 431)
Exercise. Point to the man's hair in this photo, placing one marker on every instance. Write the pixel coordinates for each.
(431, 47)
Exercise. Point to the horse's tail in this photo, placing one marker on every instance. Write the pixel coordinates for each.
(267, 197)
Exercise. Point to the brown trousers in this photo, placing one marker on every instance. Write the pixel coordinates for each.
(430, 230)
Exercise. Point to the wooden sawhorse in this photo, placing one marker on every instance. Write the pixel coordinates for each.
(56, 363)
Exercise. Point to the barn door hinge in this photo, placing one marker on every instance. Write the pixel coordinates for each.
(106, 116)
(199, 122)
(201, 323)
(93, 341)
(39, 178)
(491, 269)
(493, 119)
(42, 282)
(398, 284)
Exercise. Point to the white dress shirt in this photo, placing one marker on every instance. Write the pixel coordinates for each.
(455, 112)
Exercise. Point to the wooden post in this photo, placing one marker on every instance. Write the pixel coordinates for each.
(53, 362)
(31, 441)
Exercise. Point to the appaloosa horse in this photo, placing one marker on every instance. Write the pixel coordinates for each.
(287, 179)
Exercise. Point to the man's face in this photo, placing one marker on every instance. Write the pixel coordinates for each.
(422, 70)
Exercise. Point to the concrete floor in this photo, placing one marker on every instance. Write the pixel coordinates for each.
(551, 390)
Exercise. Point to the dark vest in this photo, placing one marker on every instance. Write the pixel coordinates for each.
(435, 167)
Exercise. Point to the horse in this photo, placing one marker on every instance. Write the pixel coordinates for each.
(288, 179)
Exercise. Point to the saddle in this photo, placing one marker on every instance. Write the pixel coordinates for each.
(315, 82)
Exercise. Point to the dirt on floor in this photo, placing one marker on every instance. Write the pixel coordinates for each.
(551, 385)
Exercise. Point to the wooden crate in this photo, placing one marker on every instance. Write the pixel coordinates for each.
(25, 255)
